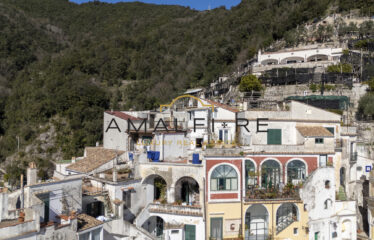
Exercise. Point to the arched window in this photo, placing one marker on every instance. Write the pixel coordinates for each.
(250, 174)
(296, 171)
(224, 177)
(270, 174)
(328, 203)
(287, 213)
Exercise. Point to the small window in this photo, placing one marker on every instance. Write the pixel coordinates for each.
(295, 231)
(174, 231)
(305, 207)
(199, 142)
(126, 197)
(327, 184)
(319, 140)
(328, 203)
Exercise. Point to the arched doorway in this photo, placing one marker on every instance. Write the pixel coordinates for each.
(155, 226)
(287, 213)
(269, 62)
(317, 58)
(156, 188)
(296, 171)
(270, 174)
(187, 191)
(256, 223)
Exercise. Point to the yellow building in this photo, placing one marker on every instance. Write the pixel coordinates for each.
(261, 220)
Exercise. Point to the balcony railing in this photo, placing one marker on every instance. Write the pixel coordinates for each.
(175, 209)
(288, 192)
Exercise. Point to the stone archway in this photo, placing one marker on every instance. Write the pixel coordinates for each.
(187, 191)
(156, 187)
(256, 223)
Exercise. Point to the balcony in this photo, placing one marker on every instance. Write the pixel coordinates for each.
(175, 209)
(353, 157)
(289, 192)
(338, 145)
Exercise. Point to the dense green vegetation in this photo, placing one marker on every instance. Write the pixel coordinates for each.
(340, 68)
(63, 63)
(250, 83)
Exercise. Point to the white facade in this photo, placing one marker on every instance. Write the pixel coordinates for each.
(299, 56)
(328, 218)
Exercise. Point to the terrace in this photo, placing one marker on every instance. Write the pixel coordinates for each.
(176, 208)
(290, 192)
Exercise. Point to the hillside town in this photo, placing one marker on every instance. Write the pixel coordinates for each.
(290, 160)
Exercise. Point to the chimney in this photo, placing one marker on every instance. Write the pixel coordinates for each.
(97, 144)
(32, 174)
(73, 159)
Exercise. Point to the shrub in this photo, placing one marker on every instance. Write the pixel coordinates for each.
(250, 83)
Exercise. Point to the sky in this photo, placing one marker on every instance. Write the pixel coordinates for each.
(195, 4)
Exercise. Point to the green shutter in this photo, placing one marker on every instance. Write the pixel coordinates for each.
(275, 136)
(189, 232)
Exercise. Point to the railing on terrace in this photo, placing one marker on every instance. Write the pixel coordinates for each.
(288, 192)
(175, 209)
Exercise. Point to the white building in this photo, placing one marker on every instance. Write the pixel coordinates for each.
(328, 218)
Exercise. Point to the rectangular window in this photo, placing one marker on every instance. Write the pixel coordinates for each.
(226, 136)
(318, 140)
(96, 234)
(220, 135)
(274, 136)
(189, 232)
(199, 142)
(126, 197)
(322, 160)
(295, 231)
(84, 236)
(216, 228)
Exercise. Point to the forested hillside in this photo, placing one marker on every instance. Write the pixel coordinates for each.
(63, 63)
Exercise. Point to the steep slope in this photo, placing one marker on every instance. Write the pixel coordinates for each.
(63, 63)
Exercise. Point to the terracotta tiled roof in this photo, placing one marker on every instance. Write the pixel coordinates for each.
(221, 105)
(122, 115)
(314, 131)
(85, 222)
(95, 157)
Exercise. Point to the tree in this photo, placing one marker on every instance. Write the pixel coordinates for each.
(250, 83)
(371, 84)
(340, 68)
(366, 105)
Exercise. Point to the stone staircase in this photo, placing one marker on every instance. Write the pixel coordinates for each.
(284, 223)
(341, 194)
